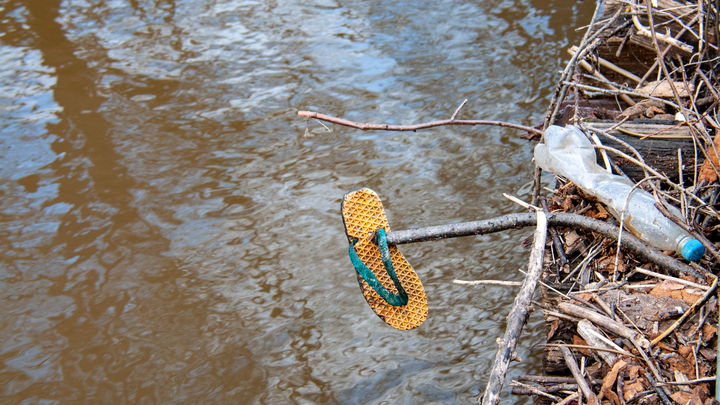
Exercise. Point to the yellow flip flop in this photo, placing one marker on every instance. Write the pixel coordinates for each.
(388, 282)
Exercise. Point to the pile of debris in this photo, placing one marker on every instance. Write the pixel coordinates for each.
(622, 329)
(647, 337)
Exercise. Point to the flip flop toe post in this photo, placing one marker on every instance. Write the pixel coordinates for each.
(388, 282)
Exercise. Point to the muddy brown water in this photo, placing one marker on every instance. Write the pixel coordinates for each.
(169, 234)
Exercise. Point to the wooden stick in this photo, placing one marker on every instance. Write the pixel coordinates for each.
(597, 348)
(390, 127)
(675, 279)
(600, 76)
(546, 379)
(584, 327)
(603, 321)
(518, 315)
(489, 282)
(535, 390)
(557, 244)
(642, 30)
(618, 92)
(571, 398)
(547, 388)
(661, 394)
(458, 110)
(513, 221)
(575, 370)
(689, 382)
(550, 312)
(609, 65)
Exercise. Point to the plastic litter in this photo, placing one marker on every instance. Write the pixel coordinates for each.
(569, 153)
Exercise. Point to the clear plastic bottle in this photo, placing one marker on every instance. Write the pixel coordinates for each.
(569, 153)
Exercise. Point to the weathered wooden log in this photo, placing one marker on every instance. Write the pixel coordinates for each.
(553, 361)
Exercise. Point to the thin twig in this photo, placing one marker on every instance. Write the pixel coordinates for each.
(489, 282)
(689, 382)
(602, 349)
(675, 279)
(572, 398)
(659, 390)
(620, 91)
(535, 390)
(582, 383)
(391, 127)
(458, 110)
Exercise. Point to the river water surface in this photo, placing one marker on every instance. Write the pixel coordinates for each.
(170, 233)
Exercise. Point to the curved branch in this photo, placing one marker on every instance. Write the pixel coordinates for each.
(389, 127)
(513, 221)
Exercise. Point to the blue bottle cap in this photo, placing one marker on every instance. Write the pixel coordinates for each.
(693, 250)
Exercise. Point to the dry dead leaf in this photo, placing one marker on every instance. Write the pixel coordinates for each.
(680, 362)
(709, 354)
(699, 395)
(709, 332)
(681, 397)
(609, 383)
(584, 296)
(602, 212)
(632, 389)
(708, 170)
(685, 351)
(577, 340)
(677, 291)
(554, 325)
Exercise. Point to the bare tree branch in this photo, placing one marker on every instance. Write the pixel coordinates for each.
(389, 127)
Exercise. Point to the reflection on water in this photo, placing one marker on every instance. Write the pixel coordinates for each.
(169, 235)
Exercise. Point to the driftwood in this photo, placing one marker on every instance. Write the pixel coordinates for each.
(518, 316)
(546, 379)
(607, 323)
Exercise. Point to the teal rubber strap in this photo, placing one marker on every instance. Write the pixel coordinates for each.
(396, 300)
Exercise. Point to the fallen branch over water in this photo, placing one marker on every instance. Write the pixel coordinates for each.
(513, 221)
(518, 315)
(390, 127)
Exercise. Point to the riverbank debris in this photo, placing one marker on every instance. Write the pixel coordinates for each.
(643, 86)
